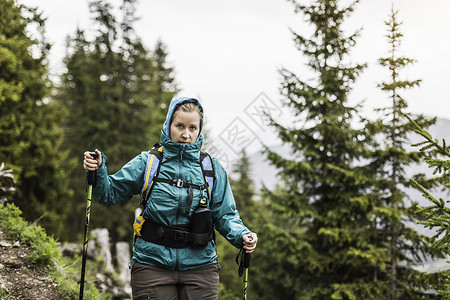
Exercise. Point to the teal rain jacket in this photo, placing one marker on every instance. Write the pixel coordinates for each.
(167, 203)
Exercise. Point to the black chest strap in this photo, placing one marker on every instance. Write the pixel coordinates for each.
(181, 184)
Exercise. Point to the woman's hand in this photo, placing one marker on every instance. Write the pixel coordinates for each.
(250, 240)
(91, 164)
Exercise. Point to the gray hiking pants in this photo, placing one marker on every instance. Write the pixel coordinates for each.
(149, 282)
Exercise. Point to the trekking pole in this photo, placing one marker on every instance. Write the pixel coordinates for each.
(91, 180)
(243, 269)
(246, 266)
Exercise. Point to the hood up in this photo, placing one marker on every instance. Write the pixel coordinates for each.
(177, 101)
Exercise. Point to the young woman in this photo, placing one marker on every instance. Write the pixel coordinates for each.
(173, 267)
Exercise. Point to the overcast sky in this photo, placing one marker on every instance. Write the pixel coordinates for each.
(227, 53)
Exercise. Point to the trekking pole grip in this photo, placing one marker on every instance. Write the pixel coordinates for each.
(246, 260)
(92, 175)
(247, 257)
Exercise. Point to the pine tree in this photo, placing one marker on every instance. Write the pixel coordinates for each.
(437, 215)
(30, 137)
(318, 233)
(406, 248)
(243, 189)
(115, 94)
(163, 88)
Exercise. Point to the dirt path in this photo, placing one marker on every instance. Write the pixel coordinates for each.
(18, 280)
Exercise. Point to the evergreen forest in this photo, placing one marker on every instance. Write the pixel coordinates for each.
(339, 224)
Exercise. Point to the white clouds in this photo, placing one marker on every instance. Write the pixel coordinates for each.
(227, 52)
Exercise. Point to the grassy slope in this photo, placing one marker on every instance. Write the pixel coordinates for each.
(45, 254)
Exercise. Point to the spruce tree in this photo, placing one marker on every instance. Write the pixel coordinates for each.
(30, 136)
(243, 188)
(437, 215)
(317, 236)
(163, 87)
(109, 90)
(406, 248)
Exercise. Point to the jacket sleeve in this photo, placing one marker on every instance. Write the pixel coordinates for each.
(121, 186)
(224, 213)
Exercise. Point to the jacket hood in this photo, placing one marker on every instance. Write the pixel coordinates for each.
(177, 101)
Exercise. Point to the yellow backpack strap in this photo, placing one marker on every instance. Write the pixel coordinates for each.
(208, 171)
(137, 225)
(151, 171)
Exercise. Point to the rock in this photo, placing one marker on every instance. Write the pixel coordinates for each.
(72, 249)
(92, 252)
(123, 259)
(120, 293)
(101, 237)
(100, 277)
(5, 244)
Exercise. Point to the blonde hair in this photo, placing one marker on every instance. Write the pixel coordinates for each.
(189, 107)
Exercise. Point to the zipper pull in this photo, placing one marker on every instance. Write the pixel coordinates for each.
(181, 152)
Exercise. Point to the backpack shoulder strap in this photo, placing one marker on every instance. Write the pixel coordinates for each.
(208, 171)
(151, 170)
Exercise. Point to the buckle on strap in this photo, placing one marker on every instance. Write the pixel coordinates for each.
(179, 183)
(181, 235)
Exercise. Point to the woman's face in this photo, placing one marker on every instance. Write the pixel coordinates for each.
(185, 127)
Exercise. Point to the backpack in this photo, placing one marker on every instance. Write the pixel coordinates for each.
(154, 164)
(173, 236)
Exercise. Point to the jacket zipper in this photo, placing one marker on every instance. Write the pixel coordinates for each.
(180, 165)
(181, 152)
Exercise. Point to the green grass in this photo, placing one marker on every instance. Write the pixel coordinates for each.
(44, 247)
